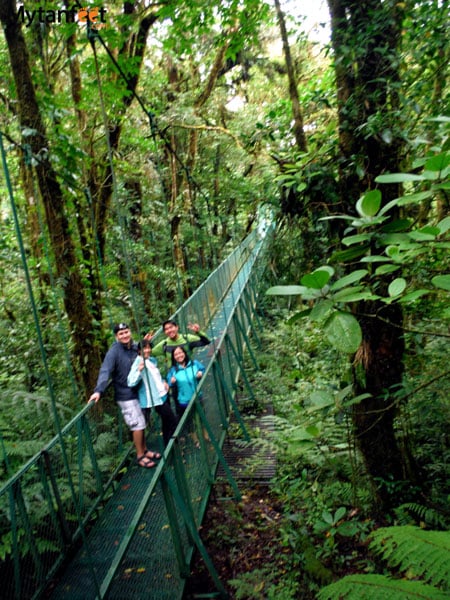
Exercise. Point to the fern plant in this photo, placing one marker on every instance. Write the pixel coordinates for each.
(419, 553)
(374, 587)
(421, 556)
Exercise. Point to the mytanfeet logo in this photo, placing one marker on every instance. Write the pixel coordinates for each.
(93, 16)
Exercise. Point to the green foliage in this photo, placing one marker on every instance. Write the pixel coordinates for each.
(422, 556)
(321, 483)
(381, 239)
(374, 587)
(419, 553)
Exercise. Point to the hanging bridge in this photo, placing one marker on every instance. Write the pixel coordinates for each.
(80, 520)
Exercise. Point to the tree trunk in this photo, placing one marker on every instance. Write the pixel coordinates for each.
(364, 38)
(299, 132)
(67, 268)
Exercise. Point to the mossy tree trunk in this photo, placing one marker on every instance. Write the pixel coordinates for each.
(365, 38)
(67, 268)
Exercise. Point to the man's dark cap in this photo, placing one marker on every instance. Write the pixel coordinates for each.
(120, 326)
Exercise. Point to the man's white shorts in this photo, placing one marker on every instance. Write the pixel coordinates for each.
(132, 414)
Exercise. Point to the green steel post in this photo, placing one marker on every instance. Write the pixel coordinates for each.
(90, 448)
(247, 343)
(50, 503)
(80, 467)
(198, 542)
(253, 316)
(174, 525)
(242, 372)
(235, 408)
(218, 450)
(29, 536)
(180, 477)
(59, 505)
(221, 396)
(15, 544)
(203, 449)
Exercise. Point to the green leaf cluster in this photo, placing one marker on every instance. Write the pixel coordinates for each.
(384, 244)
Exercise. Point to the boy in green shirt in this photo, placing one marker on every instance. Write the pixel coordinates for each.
(174, 338)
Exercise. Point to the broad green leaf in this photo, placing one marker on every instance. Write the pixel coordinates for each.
(299, 315)
(383, 269)
(350, 254)
(414, 198)
(327, 517)
(397, 225)
(313, 430)
(316, 280)
(421, 236)
(444, 225)
(356, 399)
(374, 258)
(442, 282)
(343, 331)
(430, 230)
(321, 310)
(319, 400)
(394, 238)
(348, 295)
(339, 514)
(413, 296)
(396, 287)
(369, 204)
(286, 290)
(438, 162)
(326, 268)
(300, 434)
(392, 251)
(348, 528)
(348, 279)
(405, 200)
(398, 178)
(365, 222)
(356, 239)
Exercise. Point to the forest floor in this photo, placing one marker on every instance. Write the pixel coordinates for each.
(243, 541)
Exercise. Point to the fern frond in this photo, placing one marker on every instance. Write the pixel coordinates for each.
(420, 512)
(374, 587)
(420, 552)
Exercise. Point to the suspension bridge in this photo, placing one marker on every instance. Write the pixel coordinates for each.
(83, 521)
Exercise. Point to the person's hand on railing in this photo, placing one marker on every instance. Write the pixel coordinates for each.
(95, 397)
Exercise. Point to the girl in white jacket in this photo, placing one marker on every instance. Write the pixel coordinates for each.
(152, 390)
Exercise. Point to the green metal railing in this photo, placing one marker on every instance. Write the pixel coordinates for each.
(135, 529)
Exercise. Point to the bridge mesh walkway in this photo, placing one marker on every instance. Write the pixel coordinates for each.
(135, 534)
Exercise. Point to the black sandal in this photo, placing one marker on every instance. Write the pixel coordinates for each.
(145, 462)
(151, 454)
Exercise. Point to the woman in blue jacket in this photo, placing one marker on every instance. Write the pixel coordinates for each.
(152, 390)
(185, 373)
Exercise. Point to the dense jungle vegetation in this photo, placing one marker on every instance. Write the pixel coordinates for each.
(139, 150)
